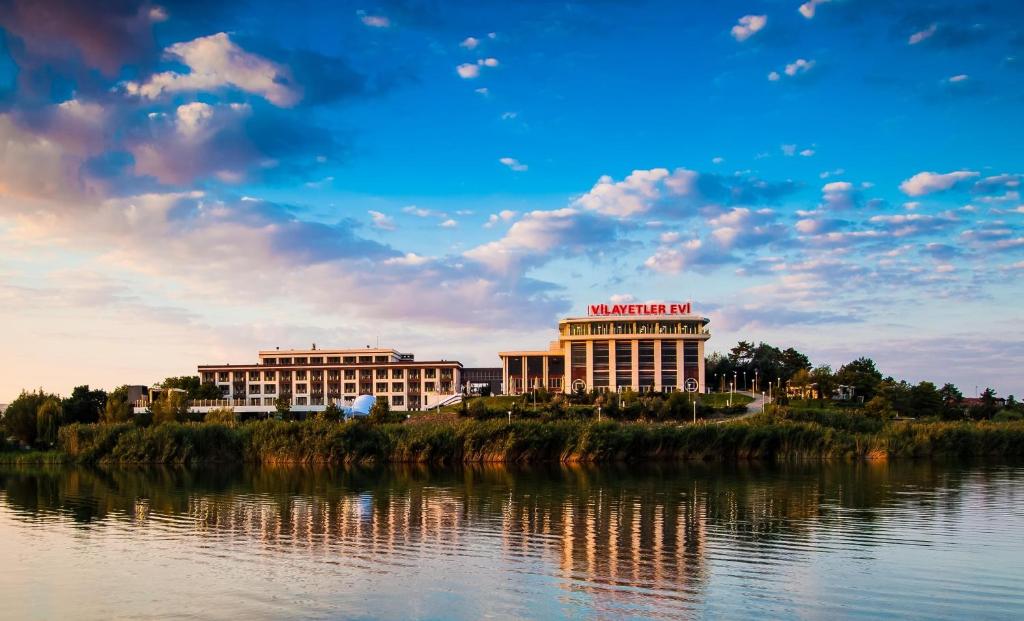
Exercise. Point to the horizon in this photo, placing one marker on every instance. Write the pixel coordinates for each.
(188, 184)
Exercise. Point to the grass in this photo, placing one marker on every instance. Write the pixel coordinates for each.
(721, 399)
(815, 435)
(32, 458)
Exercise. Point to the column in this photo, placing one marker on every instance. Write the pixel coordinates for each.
(611, 365)
(544, 371)
(590, 364)
(635, 351)
(680, 376)
(657, 365)
(505, 388)
(700, 366)
(525, 385)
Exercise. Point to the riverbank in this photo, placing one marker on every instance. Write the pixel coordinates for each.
(468, 441)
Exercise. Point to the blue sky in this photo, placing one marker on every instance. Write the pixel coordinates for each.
(189, 182)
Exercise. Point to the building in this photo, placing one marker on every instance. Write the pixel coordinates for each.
(645, 347)
(477, 380)
(312, 378)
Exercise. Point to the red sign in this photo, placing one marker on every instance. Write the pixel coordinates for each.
(599, 310)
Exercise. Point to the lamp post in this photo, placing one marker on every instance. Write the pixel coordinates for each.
(744, 380)
(510, 417)
(735, 378)
(762, 402)
(731, 387)
(756, 373)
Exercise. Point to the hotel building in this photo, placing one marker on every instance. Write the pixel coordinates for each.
(312, 378)
(645, 347)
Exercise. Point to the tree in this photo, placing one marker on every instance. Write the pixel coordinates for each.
(952, 402)
(862, 375)
(826, 381)
(84, 405)
(925, 400)
(793, 361)
(191, 385)
(222, 416)
(988, 408)
(879, 407)
(380, 411)
(801, 380)
(171, 406)
(331, 414)
(117, 409)
(20, 418)
(48, 418)
(283, 408)
(477, 409)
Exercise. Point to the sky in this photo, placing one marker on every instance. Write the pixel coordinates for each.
(190, 182)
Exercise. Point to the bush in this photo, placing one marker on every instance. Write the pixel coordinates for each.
(223, 416)
(1006, 416)
(477, 409)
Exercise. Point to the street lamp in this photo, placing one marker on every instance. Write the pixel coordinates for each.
(744, 379)
(510, 417)
(756, 373)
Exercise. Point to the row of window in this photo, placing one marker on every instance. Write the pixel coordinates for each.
(634, 327)
(318, 375)
(349, 387)
(398, 400)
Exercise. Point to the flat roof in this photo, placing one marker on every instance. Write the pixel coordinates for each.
(690, 317)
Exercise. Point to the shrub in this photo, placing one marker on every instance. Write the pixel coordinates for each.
(223, 416)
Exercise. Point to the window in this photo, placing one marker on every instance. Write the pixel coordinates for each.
(691, 359)
(300, 389)
(579, 329)
(577, 363)
(398, 400)
(207, 376)
(623, 364)
(396, 373)
(365, 359)
(302, 360)
(300, 375)
(623, 327)
(268, 401)
(350, 359)
(254, 401)
(601, 364)
(270, 361)
(254, 389)
(222, 376)
(286, 360)
(430, 373)
(333, 359)
(429, 386)
(380, 358)
(350, 387)
(270, 389)
(645, 364)
(316, 376)
(668, 365)
(268, 376)
(254, 376)
(349, 374)
(300, 401)
(382, 373)
(397, 387)
(382, 386)
(316, 360)
(600, 328)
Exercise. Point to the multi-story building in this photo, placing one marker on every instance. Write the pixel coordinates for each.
(645, 347)
(312, 378)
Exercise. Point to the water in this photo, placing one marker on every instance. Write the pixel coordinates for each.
(814, 541)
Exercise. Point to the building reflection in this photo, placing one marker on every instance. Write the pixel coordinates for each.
(605, 529)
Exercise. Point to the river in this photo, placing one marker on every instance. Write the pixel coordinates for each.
(874, 540)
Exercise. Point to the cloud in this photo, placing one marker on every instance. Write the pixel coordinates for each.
(739, 229)
(540, 235)
(504, 215)
(449, 224)
(513, 164)
(468, 71)
(961, 77)
(748, 26)
(382, 221)
(798, 66)
(839, 196)
(216, 62)
(808, 9)
(470, 43)
(929, 182)
(807, 153)
(921, 35)
(374, 21)
(679, 193)
(105, 36)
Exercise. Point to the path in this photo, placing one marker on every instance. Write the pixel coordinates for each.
(754, 407)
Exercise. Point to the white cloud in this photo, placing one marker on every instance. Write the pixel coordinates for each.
(468, 71)
(449, 224)
(470, 43)
(807, 153)
(798, 66)
(514, 164)
(382, 221)
(215, 62)
(789, 150)
(408, 259)
(928, 182)
(502, 216)
(807, 9)
(488, 62)
(747, 26)
(483, 90)
(622, 298)
(774, 76)
(717, 160)
(957, 78)
(375, 21)
(917, 37)
(508, 116)
(839, 196)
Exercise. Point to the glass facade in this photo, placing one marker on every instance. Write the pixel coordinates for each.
(645, 364)
(623, 364)
(668, 365)
(601, 375)
(578, 362)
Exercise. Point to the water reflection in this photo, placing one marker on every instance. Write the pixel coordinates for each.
(604, 541)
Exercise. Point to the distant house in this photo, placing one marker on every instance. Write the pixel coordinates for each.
(973, 402)
(843, 392)
(3, 407)
(807, 391)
